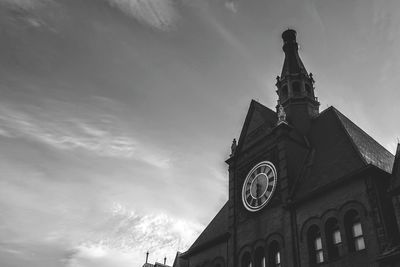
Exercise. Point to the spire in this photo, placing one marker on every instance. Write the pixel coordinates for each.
(292, 63)
(295, 86)
(147, 256)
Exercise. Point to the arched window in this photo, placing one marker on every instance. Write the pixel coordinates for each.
(354, 231)
(274, 255)
(296, 89)
(334, 239)
(259, 257)
(284, 93)
(315, 245)
(246, 260)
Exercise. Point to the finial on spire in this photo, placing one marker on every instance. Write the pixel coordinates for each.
(147, 256)
(233, 146)
(165, 260)
(281, 115)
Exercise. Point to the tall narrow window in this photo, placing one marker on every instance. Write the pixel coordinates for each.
(284, 93)
(354, 231)
(246, 260)
(260, 257)
(277, 259)
(319, 253)
(315, 246)
(274, 258)
(296, 89)
(358, 237)
(334, 239)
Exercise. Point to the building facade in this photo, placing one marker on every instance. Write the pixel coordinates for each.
(306, 188)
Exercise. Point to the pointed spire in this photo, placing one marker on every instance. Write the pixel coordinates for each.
(292, 63)
(295, 87)
(147, 256)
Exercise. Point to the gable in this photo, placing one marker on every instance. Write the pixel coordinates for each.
(259, 120)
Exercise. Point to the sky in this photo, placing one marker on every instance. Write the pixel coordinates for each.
(116, 116)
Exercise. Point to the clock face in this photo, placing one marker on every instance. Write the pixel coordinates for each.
(259, 186)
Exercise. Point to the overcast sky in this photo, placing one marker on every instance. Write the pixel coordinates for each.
(116, 116)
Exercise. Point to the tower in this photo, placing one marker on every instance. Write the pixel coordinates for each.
(296, 86)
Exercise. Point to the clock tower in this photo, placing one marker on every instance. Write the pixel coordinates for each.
(296, 86)
(306, 188)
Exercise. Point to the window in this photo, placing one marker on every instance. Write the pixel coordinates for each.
(315, 246)
(284, 93)
(274, 255)
(277, 259)
(354, 231)
(359, 243)
(296, 89)
(259, 257)
(334, 239)
(246, 260)
(319, 253)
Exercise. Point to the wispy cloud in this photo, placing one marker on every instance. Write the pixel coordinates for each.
(125, 236)
(100, 135)
(159, 14)
(26, 4)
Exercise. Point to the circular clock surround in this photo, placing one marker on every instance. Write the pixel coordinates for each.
(259, 186)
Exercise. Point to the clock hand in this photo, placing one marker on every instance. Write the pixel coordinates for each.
(258, 189)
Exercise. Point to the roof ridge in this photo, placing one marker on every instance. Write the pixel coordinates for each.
(370, 150)
(364, 132)
(353, 144)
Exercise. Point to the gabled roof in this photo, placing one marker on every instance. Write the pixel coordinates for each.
(217, 228)
(340, 148)
(257, 116)
(371, 151)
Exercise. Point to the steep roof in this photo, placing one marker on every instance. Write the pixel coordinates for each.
(340, 148)
(371, 151)
(396, 172)
(215, 229)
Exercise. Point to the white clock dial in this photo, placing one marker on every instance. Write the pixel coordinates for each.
(259, 186)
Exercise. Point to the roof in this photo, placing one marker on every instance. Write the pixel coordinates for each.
(215, 229)
(371, 151)
(396, 172)
(340, 148)
(179, 261)
(259, 118)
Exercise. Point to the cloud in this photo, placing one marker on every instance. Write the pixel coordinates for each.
(158, 14)
(100, 135)
(26, 4)
(123, 239)
(232, 6)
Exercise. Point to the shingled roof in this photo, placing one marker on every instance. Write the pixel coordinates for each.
(215, 230)
(340, 147)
